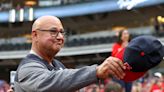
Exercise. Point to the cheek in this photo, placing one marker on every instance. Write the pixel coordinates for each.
(45, 41)
(122, 38)
(49, 42)
(125, 36)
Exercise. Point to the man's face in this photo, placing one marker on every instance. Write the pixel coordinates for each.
(50, 36)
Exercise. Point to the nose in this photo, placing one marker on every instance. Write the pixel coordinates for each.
(60, 36)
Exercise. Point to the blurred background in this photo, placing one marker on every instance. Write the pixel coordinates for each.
(91, 25)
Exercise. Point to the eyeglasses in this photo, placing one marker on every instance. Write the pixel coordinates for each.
(53, 32)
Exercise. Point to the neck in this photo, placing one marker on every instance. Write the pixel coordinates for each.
(125, 43)
(44, 55)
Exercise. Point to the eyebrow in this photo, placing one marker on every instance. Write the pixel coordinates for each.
(55, 28)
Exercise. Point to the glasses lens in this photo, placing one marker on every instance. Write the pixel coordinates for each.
(56, 33)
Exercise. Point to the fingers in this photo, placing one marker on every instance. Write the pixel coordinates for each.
(120, 63)
(111, 66)
(102, 71)
(117, 70)
(116, 67)
(111, 72)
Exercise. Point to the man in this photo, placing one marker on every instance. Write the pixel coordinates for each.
(40, 72)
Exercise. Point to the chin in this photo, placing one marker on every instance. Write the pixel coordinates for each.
(57, 49)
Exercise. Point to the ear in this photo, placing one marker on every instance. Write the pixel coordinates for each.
(34, 35)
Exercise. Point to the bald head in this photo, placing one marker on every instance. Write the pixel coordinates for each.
(42, 21)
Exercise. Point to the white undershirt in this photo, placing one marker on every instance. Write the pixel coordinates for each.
(33, 52)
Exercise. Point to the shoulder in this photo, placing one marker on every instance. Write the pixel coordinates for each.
(29, 66)
(115, 45)
(29, 62)
(31, 70)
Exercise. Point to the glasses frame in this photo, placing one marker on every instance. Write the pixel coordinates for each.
(53, 32)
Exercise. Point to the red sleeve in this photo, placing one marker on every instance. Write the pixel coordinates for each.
(115, 48)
